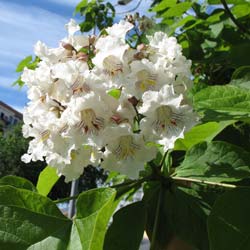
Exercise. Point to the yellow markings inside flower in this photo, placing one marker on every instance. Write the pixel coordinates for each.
(164, 118)
(44, 135)
(73, 154)
(90, 123)
(112, 65)
(145, 80)
(126, 147)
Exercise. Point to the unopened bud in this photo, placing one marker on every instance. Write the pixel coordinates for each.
(67, 46)
(133, 100)
(141, 47)
(92, 40)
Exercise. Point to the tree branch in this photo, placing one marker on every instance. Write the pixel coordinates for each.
(239, 25)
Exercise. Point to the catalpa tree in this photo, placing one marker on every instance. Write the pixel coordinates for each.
(163, 106)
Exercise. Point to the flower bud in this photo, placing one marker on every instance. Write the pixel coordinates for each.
(67, 46)
(133, 100)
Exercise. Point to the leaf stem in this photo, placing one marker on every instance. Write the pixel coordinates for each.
(66, 199)
(187, 181)
(241, 27)
(130, 183)
(163, 159)
(156, 223)
(138, 181)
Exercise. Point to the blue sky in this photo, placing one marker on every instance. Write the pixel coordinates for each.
(23, 23)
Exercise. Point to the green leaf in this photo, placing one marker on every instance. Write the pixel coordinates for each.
(18, 82)
(80, 5)
(241, 72)
(215, 162)
(223, 103)
(116, 93)
(46, 180)
(241, 77)
(164, 5)
(215, 17)
(229, 221)
(27, 218)
(216, 29)
(242, 82)
(33, 65)
(200, 133)
(94, 209)
(182, 216)
(23, 63)
(241, 10)
(228, 1)
(17, 182)
(177, 10)
(124, 233)
(208, 44)
(31, 221)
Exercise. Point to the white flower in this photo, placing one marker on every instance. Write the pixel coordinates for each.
(120, 29)
(48, 54)
(68, 71)
(80, 159)
(166, 119)
(111, 49)
(165, 46)
(126, 152)
(85, 96)
(72, 27)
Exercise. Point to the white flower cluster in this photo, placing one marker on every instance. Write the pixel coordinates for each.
(97, 101)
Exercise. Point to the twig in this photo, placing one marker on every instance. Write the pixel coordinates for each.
(133, 9)
(130, 183)
(241, 27)
(156, 223)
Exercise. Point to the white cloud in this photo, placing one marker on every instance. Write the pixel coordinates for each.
(22, 26)
(66, 2)
(7, 83)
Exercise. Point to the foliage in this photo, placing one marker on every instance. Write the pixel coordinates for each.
(28, 62)
(199, 191)
(96, 13)
(12, 147)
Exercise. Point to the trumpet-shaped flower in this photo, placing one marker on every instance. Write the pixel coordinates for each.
(166, 119)
(126, 152)
(99, 101)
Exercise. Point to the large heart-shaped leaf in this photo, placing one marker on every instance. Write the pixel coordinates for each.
(215, 162)
(223, 103)
(17, 182)
(182, 216)
(31, 221)
(126, 231)
(229, 221)
(94, 209)
(200, 133)
(27, 218)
